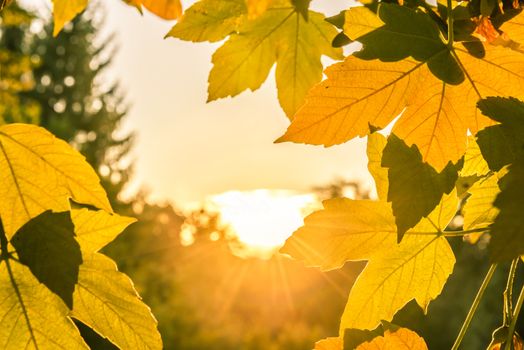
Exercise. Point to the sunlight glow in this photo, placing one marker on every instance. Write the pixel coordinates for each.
(263, 219)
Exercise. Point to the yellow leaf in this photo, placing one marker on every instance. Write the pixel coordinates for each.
(344, 230)
(210, 20)
(32, 317)
(375, 148)
(417, 268)
(166, 9)
(333, 343)
(40, 172)
(64, 11)
(401, 339)
(479, 211)
(359, 21)
(95, 229)
(256, 8)
(283, 36)
(474, 163)
(106, 301)
(438, 113)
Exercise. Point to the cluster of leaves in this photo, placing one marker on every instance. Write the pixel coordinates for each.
(50, 265)
(436, 67)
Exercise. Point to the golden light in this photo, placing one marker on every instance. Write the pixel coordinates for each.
(263, 219)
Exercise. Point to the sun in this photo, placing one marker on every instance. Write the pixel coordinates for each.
(263, 219)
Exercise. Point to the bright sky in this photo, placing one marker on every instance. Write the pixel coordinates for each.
(186, 149)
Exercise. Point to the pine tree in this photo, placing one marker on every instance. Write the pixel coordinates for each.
(75, 104)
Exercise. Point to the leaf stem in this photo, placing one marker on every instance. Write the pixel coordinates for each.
(508, 293)
(474, 307)
(509, 340)
(450, 24)
(465, 232)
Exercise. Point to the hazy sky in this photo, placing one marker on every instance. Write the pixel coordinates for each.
(187, 149)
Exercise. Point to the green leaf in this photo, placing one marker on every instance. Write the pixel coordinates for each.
(31, 316)
(210, 20)
(280, 35)
(47, 245)
(40, 172)
(96, 229)
(417, 268)
(106, 301)
(415, 187)
(507, 232)
(405, 33)
(501, 144)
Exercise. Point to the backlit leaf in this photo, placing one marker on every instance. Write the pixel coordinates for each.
(64, 11)
(507, 232)
(62, 173)
(106, 301)
(415, 269)
(374, 150)
(333, 343)
(401, 339)
(210, 20)
(280, 36)
(360, 21)
(344, 230)
(439, 88)
(501, 144)
(257, 7)
(474, 163)
(413, 181)
(166, 9)
(31, 316)
(479, 210)
(95, 229)
(47, 245)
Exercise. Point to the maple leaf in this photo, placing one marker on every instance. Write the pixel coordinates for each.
(413, 181)
(166, 9)
(417, 268)
(374, 151)
(210, 20)
(333, 343)
(48, 247)
(31, 315)
(280, 36)
(507, 231)
(62, 172)
(400, 339)
(474, 163)
(64, 11)
(501, 144)
(405, 66)
(396, 273)
(257, 7)
(106, 301)
(95, 229)
(478, 211)
(344, 230)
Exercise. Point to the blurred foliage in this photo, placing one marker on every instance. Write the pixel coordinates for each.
(16, 68)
